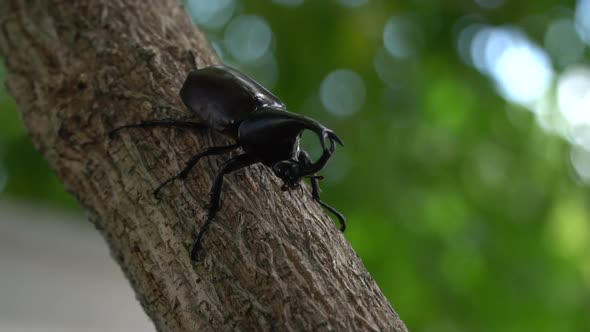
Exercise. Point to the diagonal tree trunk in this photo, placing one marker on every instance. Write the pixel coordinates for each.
(272, 261)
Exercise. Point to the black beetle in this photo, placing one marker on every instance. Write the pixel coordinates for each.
(229, 102)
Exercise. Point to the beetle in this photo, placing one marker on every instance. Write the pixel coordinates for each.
(227, 101)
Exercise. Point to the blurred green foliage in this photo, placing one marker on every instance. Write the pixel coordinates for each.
(461, 206)
(24, 174)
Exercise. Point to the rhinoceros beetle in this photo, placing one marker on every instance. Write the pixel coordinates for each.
(224, 100)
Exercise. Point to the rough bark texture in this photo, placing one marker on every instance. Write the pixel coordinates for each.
(272, 261)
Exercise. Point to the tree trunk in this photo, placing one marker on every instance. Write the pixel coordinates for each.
(271, 261)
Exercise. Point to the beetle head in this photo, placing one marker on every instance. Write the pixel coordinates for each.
(290, 172)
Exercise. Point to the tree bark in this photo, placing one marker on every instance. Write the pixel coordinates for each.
(271, 261)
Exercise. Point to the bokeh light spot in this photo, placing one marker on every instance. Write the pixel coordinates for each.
(573, 100)
(478, 47)
(401, 37)
(521, 70)
(499, 41)
(211, 14)
(562, 42)
(464, 41)
(580, 159)
(343, 92)
(568, 228)
(523, 73)
(583, 20)
(248, 38)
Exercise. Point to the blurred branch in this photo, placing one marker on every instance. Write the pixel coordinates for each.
(273, 261)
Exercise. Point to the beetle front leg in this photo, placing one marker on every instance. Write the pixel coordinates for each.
(315, 194)
(315, 191)
(229, 166)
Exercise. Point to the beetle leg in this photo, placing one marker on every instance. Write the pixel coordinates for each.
(326, 134)
(315, 191)
(229, 166)
(160, 123)
(211, 151)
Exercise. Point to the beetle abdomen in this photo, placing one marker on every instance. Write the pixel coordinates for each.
(222, 97)
(216, 99)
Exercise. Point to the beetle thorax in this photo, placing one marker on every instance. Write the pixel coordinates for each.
(267, 145)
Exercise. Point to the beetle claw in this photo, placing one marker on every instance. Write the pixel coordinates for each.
(329, 134)
(335, 137)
